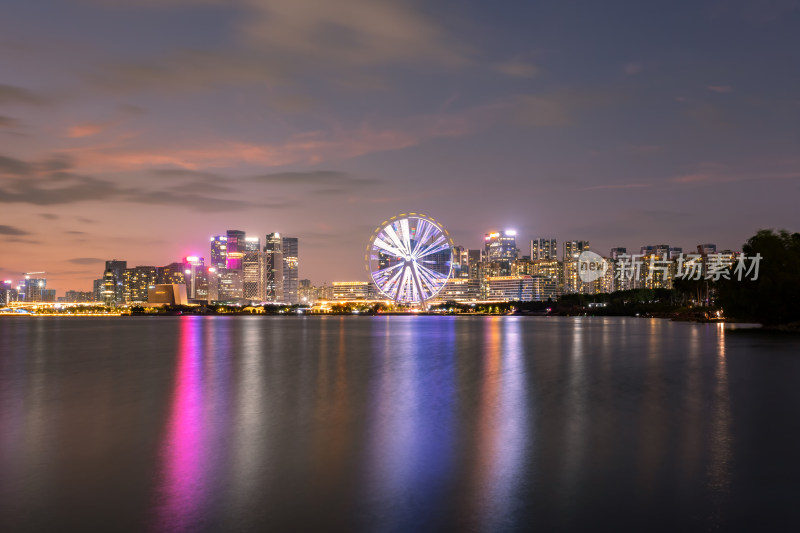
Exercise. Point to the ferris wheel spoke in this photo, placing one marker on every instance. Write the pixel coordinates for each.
(388, 248)
(434, 279)
(424, 283)
(436, 246)
(396, 240)
(424, 231)
(405, 234)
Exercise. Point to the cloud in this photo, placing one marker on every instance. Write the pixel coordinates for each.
(350, 32)
(8, 122)
(73, 232)
(616, 186)
(321, 177)
(310, 147)
(85, 130)
(85, 260)
(10, 94)
(720, 88)
(11, 230)
(542, 110)
(51, 182)
(14, 167)
(278, 41)
(49, 216)
(517, 68)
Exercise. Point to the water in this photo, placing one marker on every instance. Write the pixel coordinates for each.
(396, 423)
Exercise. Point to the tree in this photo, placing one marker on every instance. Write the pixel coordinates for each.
(774, 297)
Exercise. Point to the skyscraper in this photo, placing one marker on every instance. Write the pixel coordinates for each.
(196, 277)
(542, 248)
(235, 243)
(252, 284)
(137, 281)
(113, 282)
(219, 250)
(272, 268)
(572, 251)
(290, 269)
(500, 250)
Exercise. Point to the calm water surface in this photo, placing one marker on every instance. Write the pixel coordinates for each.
(396, 424)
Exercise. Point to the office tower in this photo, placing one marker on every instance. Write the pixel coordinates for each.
(706, 249)
(252, 281)
(571, 281)
(617, 252)
(137, 281)
(500, 249)
(272, 268)
(235, 242)
(623, 277)
(290, 269)
(229, 287)
(8, 293)
(113, 282)
(542, 248)
(196, 278)
(171, 274)
(219, 250)
(97, 290)
(32, 289)
(657, 269)
(460, 262)
(77, 296)
(305, 291)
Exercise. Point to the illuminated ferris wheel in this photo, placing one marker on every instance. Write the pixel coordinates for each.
(409, 258)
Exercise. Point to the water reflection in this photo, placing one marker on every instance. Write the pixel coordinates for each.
(503, 432)
(184, 486)
(719, 465)
(392, 424)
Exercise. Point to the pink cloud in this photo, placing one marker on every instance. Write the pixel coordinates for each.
(309, 147)
(84, 130)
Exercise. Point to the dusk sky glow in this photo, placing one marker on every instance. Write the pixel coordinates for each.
(135, 129)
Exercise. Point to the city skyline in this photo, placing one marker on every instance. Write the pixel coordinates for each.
(594, 122)
(212, 258)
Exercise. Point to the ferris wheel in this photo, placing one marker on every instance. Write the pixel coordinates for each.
(409, 258)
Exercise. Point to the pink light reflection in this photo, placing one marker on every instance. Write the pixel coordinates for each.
(183, 486)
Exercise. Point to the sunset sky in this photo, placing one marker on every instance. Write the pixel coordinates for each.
(135, 129)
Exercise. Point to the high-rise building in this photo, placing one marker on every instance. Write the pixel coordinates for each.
(542, 248)
(8, 293)
(252, 284)
(77, 296)
(235, 249)
(500, 249)
(137, 281)
(31, 289)
(219, 249)
(196, 278)
(113, 282)
(171, 274)
(97, 290)
(706, 249)
(272, 268)
(229, 285)
(460, 262)
(290, 269)
(572, 250)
